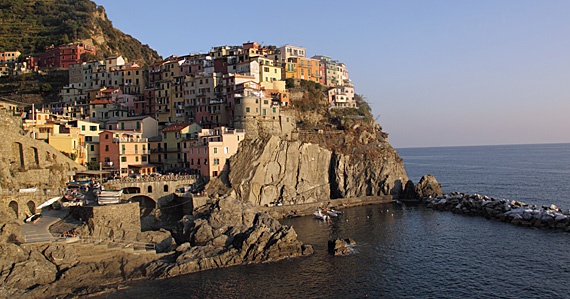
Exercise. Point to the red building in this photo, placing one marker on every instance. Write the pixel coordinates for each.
(64, 55)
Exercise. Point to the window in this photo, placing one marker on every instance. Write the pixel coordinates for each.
(136, 159)
(265, 102)
(216, 161)
(274, 110)
(82, 128)
(226, 149)
(143, 158)
(123, 149)
(92, 148)
(92, 128)
(123, 159)
(264, 112)
(246, 109)
(106, 136)
(136, 148)
(215, 150)
(88, 138)
(106, 148)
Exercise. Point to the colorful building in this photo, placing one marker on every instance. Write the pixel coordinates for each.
(65, 55)
(124, 152)
(210, 153)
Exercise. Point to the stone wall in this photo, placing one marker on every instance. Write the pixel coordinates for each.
(160, 190)
(26, 162)
(264, 126)
(124, 217)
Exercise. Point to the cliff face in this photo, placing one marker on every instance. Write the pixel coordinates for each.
(26, 162)
(354, 176)
(280, 171)
(294, 172)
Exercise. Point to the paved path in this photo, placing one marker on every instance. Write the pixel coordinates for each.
(39, 231)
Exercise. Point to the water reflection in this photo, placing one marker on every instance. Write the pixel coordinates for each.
(402, 252)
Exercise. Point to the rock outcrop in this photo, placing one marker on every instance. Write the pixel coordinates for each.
(428, 186)
(264, 173)
(26, 162)
(514, 212)
(341, 246)
(229, 232)
(273, 171)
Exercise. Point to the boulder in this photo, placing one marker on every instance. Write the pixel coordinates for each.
(409, 191)
(162, 239)
(34, 271)
(10, 230)
(61, 255)
(428, 186)
(340, 246)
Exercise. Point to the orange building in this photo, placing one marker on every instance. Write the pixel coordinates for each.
(123, 151)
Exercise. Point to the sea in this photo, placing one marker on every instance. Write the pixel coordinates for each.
(409, 251)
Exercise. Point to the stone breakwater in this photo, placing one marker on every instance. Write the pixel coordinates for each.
(514, 212)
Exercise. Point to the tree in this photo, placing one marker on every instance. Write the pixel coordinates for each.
(45, 88)
(290, 83)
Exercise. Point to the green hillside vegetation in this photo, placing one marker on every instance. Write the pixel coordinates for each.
(31, 25)
(313, 111)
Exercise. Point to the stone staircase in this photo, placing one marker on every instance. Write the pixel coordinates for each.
(125, 246)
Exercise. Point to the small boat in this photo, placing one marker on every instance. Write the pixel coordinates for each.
(337, 212)
(332, 213)
(319, 215)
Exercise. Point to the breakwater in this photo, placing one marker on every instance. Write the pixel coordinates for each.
(512, 211)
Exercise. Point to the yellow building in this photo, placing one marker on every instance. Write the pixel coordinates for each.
(173, 144)
(269, 72)
(69, 141)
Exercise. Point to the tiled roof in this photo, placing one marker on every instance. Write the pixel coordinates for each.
(176, 127)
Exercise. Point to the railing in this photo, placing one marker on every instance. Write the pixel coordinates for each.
(116, 139)
(169, 177)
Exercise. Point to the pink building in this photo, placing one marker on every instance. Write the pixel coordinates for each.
(210, 153)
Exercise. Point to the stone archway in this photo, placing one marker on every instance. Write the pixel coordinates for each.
(18, 148)
(146, 204)
(132, 190)
(14, 206)
(31, 207)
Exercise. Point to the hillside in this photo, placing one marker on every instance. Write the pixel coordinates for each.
(31, 25)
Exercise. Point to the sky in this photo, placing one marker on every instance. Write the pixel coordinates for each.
(436, 73)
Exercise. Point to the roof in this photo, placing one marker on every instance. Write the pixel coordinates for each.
(132, 132)
(141, 166)
(176, 127)
(95, 102)
(137, 117)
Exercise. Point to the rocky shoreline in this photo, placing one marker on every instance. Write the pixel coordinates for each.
(514, 212)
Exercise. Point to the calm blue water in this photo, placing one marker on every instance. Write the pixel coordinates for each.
(414, 252)
(538, 173)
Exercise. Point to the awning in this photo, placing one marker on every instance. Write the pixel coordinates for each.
(49, 202)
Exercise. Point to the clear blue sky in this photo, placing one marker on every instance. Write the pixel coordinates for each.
(436, 73)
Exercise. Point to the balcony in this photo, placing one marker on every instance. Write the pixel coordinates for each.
(129, 140)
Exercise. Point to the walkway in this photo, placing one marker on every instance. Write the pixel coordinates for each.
(39, 231)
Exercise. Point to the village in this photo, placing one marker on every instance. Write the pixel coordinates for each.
(185, 114)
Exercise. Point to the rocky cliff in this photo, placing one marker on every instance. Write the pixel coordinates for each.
(274, 170)
(228, 232)
(26, 162)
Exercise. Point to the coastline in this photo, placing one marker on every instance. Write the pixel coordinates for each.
(298, 210)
